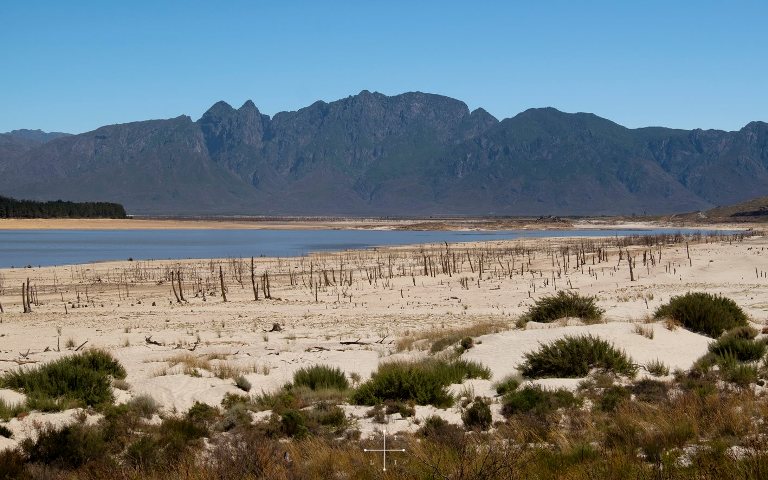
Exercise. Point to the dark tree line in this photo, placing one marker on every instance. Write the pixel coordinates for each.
(10, 208)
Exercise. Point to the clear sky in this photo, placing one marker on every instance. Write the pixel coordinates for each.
(75, 65)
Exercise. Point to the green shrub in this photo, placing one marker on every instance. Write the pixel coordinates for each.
(177, 434)
(327, 415)
(534, 399)
(242, 383)
(78, 380)
(203, 415)
(9, 411)
(564, 304)
(319, 377)
(703, 313)
(739, 342)
(170, 441)
(143, 405)
(650, 391)
(143, 453)
(422, 382)
(573, 357)
(478, 416)
(12, 465)
(405, 409)
(467, 343)
(68, 447)
(612, 397)
(657, 368)
(293, 424)
(440, 431)
(506, 385)
(741, 374)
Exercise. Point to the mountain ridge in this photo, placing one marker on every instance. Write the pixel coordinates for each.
(410, 154)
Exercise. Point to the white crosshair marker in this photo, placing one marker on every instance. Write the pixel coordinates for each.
(384, 450)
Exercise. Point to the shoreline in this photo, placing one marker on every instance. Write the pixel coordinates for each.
(341, 223)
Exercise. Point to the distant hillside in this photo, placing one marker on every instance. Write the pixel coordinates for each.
(410, 154)
(755, 210)
(10, 208)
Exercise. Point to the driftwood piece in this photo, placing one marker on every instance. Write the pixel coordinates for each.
(81, 345)
(354, 342)
(316, 349)
(152, 342)
(17, 361)
(275, 328)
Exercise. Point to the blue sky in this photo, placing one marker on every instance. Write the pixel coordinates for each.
(74, 66)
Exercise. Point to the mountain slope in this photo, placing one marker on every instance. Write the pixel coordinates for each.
(409, 154)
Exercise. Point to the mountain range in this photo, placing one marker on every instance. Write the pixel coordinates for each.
(412, 154)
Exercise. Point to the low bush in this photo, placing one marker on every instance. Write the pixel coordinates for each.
(10, 410)
(422, 382)
(203, 415)
(650, 391)
(243, 384)
(67, 447)
(319, 377)
(293, 424)
(405, 409)
(536, 400)
(12, 465)
(327, 415)
(564, 304)
(478, 416)
(506, 385)
(612, 397)
(657, 368)
(741, 374)
(703, 313)
(78, 380)
(143, 405)
(573, 357)
(440, 431)
(740, 343)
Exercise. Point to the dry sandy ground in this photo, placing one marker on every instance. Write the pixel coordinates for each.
(119, 306)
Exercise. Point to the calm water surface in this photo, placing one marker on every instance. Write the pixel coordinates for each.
(63, 247)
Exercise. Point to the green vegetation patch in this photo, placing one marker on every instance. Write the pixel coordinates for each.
(740, 343)
(703, 313)
(82, 379)
(564, 304)
(574, 357)
(423, 382)
(536, 400)
(319, 377)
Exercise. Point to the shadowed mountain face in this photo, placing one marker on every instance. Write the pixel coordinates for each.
(370, 154)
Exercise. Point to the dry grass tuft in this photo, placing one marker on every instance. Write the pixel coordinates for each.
(645, 331)
(437, 340)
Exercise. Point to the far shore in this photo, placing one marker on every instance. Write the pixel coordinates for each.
(348, 223)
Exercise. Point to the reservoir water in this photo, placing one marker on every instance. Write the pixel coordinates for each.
(63, 247)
